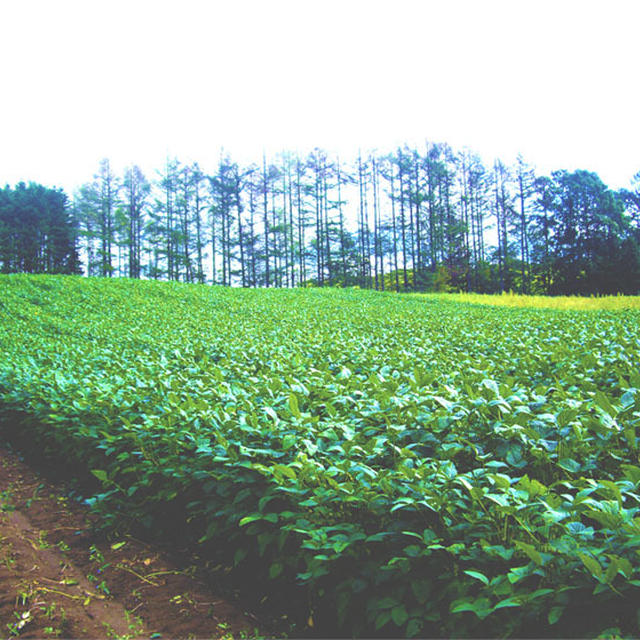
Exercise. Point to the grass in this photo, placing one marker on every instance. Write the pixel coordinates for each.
(510, 299)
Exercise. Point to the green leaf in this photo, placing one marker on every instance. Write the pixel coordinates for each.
(628, 398)
(499, 498)
(443, 402)
(612, 570)
(555, 614)
(382, 619)
(285, 471)
(613, 488)
(275, 570)
(603, 402)
(569, 464)
(293, 405)
(538, 593)
(288, 441)
(480, 606)
(399, 615)
(477, 575)
(630, 436)
(508, 602)
(385, 603)
(631, 472)
(530, 550)
(592, 565)
(625, 568)
(414, 627)
(492, 386)
(460, 606)
(239, 556)
(100, 474)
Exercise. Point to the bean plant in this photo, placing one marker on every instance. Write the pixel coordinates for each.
(415, 466)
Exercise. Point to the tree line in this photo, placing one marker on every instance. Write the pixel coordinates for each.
(428, 219)
(38, 233)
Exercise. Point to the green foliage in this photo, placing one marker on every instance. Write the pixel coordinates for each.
(594, 248)
(438, 280)
(37, 232)
(420, 466)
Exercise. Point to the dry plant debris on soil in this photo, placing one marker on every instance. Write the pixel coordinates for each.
(59, 579)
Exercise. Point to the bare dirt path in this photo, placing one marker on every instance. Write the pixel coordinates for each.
(58, 579)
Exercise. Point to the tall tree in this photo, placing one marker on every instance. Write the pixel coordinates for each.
(108, 200)
(525, 178)
(136, 190)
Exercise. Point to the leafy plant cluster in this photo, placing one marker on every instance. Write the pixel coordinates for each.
(418, 466)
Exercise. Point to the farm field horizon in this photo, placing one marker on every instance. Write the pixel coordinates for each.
(395, 464)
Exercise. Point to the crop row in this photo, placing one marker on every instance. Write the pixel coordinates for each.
(417, 466)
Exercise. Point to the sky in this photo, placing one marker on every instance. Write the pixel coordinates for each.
(137, 80)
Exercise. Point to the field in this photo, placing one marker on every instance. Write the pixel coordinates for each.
(396, 465)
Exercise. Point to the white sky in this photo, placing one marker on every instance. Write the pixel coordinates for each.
(132, 80)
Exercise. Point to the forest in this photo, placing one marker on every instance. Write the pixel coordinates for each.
(433, 219)
(38, 232)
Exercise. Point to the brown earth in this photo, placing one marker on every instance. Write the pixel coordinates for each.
(59, 578)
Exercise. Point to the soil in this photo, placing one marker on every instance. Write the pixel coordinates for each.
(59, 578)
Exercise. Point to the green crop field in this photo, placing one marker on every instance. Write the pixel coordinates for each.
(412, 465)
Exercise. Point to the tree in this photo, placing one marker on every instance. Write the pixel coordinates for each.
(136, 190)
(543, 223)
(95, 204)
(525, 179)
(589, 231)
(107, 192)
(38, 232)
(631, 200)
(224, 201)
